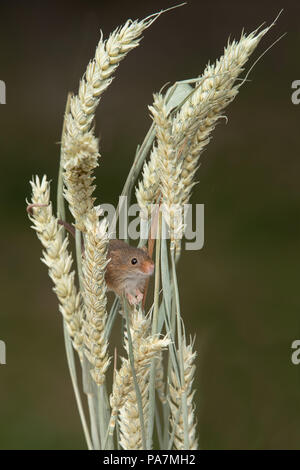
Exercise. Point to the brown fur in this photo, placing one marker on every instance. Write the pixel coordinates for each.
(121, 275)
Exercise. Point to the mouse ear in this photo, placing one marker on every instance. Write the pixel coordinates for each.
(145, 249)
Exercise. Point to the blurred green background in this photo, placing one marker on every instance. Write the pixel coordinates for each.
(240, 293)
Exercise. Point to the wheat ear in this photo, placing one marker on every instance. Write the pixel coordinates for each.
(169, 167)
(148, 188)
(193, 124)
(94, 294)
(217, 88)
(80, 152)
(145, 348)
(175, 399)
(57, 258)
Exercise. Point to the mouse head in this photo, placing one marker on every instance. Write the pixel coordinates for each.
(142, 262)
(130, 260)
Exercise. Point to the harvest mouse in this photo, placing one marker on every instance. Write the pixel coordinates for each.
(127, 270)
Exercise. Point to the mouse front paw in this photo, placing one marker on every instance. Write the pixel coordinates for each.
(135, 299)
(132, 299)
(139, 295)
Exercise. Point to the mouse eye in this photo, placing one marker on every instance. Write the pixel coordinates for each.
(133, 261)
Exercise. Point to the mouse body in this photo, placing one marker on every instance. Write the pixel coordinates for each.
(127, 270)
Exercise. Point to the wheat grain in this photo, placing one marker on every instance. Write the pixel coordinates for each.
(159, 379)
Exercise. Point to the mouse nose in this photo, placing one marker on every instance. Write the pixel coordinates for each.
(148, 268)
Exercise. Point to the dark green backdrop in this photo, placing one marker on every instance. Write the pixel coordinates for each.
(240, 293)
